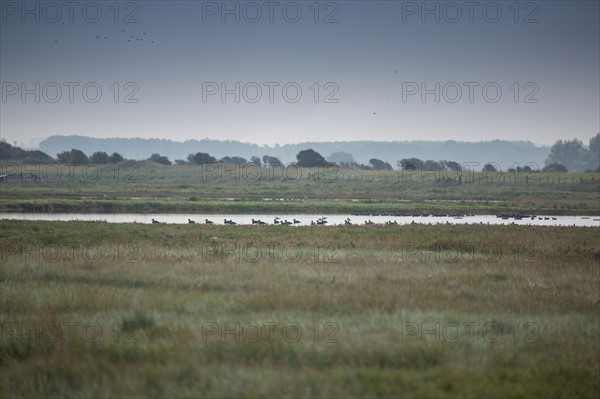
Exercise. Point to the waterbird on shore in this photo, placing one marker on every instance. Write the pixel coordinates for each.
(155, 221)
(296, 221)
(208, 221)
(190, 221)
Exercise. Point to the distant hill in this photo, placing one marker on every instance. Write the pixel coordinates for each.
(504, 153)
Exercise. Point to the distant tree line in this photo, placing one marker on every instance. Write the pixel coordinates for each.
(565, 155)
(203, 158)
(428, 165)
(9, 152)
(575, 156)
(415, 164)
(78, 157)
(568, 155)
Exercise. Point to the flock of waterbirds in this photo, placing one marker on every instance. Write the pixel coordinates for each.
(137, 37)
(321, 221)
(284, 222)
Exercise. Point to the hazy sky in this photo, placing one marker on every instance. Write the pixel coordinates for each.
(500, 70)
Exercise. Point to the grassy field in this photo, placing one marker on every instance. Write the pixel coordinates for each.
(98, 309)
(147, 187)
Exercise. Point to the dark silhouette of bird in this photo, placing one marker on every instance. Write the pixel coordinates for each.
(208, 221)
(155, 221)
(190, 221)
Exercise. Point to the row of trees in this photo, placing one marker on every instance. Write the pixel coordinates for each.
(428, 165)
(78, 157)
(9, 152)
(374, 164)
(203, 158)
(575, 156)
(565, 155)
(306, 158)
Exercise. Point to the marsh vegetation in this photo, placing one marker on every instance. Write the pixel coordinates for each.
(174, 310)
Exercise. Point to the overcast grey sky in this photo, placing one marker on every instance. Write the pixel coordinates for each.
(366, 70)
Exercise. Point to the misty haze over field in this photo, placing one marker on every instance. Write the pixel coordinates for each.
(305, 198)
(301, 71)
(503, 153)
